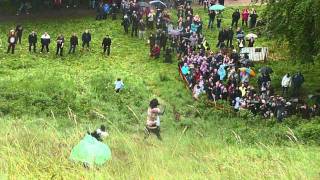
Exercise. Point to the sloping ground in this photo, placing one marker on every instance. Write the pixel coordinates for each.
(50, 102)
(44, 150)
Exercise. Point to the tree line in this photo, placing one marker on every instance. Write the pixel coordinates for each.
(297, 22)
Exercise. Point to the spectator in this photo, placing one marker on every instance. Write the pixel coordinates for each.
(25, 5)
(19, 30)
(230, 34)
(212, 15)
(57, 4)
(135, 21)
(12, 41)
(253, 18)
(251, 42)
(72, 3)
(100, 11)
(126, 23)
(60, 44)
(73, 43)
(106, 44)
(92, 4)
(45, 41)
(113, 11)
(245, 17)
(155, 51)
(285, 84)
(86, 38)
(151, 41)
(235, 18)
(32, 41)
(150, 20)
(141, 27)
(297, 81)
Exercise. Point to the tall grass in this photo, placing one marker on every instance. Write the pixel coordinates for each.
(47, 103)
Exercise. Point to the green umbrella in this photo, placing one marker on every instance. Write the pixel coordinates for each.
(216, 7)
(91, 151)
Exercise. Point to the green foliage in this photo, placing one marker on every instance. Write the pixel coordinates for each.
(296, 21)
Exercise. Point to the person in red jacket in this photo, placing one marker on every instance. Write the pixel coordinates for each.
(245, 17)
(155, 52)
(12, 40)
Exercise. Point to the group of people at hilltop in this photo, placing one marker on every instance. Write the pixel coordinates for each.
(25, 6)
(15, 37)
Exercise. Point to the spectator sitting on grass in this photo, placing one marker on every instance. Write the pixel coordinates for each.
(155, 52)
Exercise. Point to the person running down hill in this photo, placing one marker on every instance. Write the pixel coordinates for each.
(153, 119)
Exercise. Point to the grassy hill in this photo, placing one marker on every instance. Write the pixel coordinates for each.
(47, 103)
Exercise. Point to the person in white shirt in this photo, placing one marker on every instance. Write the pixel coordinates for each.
(12, 40)
(118, 85)
(285, 84)
(45, 41)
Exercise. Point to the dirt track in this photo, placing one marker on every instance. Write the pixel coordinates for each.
(74, 13)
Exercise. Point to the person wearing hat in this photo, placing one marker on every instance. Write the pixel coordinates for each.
(12, 41)
(153, 119)
(106, 44)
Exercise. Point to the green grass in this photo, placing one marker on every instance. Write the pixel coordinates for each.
(47, 103)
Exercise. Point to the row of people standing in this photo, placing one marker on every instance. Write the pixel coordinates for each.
(15, 37)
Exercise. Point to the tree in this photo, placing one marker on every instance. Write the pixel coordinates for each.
(296, 21)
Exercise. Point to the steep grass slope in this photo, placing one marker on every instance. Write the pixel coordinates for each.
(47, 103)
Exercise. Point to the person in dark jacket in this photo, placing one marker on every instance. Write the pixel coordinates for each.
(221, 2)
(212, 15)
(152, 41)
(126, 23)
(230, 34)
(220, 39)
(106, 44)
(163, 40)
(100, 11)
(32, 41)
(45, 41)
(60, 44)
(168, 55)
(73, 43)
(86, 38)
(297, 81)
(12, 40)
(253, 19)
(235, 18)
(114, 10)
(219, 22)
(19, 30)
(135, 21)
